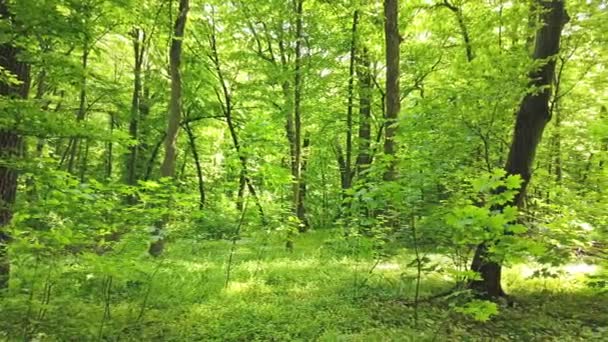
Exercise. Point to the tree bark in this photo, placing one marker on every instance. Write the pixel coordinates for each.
(10, 141)
(167, 169)
(393, 105)
(531, 120)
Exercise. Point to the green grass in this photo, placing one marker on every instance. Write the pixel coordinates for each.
(321, 291)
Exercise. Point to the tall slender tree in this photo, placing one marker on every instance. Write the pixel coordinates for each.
(298, 195)
(393, 105)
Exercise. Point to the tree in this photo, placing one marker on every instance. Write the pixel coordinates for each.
(167, 169)
(393, 97)
(530, 122)
(15, 85)
(294, 125)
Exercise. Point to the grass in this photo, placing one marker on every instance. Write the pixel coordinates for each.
(321, 291)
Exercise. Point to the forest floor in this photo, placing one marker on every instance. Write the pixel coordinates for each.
(316, 292)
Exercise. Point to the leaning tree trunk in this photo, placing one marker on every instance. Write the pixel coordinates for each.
(393, 105)
(531, 120)
(10, 141)
(167, 168)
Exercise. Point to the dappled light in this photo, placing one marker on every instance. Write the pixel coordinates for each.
(303, 170)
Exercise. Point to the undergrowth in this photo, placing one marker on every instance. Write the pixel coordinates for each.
(319, 291)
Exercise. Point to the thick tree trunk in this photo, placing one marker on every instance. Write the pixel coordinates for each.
(167, 168)
(393, 105)
(10, 141)
(530, 123)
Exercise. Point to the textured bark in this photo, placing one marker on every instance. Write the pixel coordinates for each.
(167, 168)
(531, 120)
(10, 141)
(393, 105)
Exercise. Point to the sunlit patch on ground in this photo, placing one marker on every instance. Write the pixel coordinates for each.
(528, 271)
(386, 266)
(581, 268)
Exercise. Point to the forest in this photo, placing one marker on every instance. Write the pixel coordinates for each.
(303, 170)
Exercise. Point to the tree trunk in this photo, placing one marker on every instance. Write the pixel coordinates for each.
(393, 105)
(74, 146)
(110, 149)
(131, 173)
(227, 108)
(348, 173)
(10, 141)
(365, 107)
(167, 169)
(531, 120)
(463, 27)
(197, 164)
(298, 199)
(301, 210)
(604, 143)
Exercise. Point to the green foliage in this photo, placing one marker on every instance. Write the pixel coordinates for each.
(480, 310)
(90, 198)
(307, 294)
